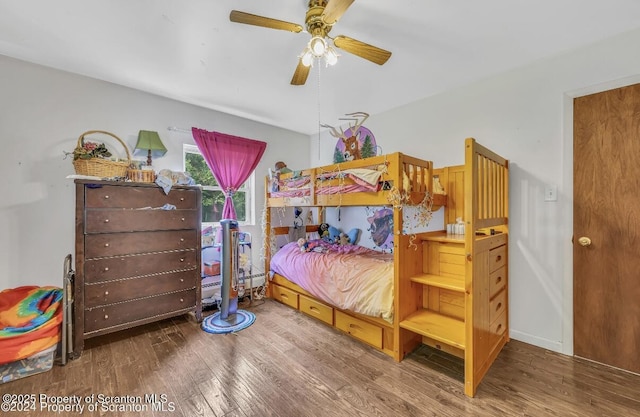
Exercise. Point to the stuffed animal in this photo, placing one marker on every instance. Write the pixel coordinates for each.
(281, 168)
(323, 231)
(310, 246)
(351, 236)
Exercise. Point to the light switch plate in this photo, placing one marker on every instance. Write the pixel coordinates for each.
(550, 193)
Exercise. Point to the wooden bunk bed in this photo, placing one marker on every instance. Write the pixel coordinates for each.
(449, 291)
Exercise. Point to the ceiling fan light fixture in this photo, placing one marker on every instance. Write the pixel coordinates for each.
(306, 57)
(330, 56)
(318, 46)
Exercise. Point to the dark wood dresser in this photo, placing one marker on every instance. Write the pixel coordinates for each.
(136, 262)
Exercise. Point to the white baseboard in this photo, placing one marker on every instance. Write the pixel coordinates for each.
(536, 341)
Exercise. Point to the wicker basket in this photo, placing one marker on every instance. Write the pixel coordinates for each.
(141, 175)
(98, 167)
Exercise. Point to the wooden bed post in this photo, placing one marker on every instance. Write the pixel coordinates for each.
(486, 187)
(471, 195)
(267, 236)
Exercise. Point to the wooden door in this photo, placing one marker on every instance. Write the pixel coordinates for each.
(606, 272)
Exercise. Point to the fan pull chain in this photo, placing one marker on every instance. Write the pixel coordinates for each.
(319, 120)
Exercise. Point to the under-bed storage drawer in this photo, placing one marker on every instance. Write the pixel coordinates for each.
(316, 309)
(285, 296)
(360, 329)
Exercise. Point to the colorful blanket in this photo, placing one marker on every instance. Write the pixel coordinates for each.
(30, 319)
(349, 277)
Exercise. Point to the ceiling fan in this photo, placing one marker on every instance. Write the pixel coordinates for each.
(320, 18)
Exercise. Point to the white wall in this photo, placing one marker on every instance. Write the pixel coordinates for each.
(524, 115)
(43, 112)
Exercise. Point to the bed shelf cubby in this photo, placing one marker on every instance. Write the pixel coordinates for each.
(436, 326)
(439, 281)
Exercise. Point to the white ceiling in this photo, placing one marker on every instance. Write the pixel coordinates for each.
(188, 50)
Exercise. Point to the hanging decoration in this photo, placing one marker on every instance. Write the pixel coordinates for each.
(356, 142)
(381, 228)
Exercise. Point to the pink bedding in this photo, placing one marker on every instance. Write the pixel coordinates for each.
(349, 277)
(301, 192)
(341, 189)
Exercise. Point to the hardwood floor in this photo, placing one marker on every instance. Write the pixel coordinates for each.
(287, 364)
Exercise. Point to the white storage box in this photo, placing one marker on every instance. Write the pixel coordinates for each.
(34, 364)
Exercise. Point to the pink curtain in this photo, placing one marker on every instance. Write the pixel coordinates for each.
(231, 159)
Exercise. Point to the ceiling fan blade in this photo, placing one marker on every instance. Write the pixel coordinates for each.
(361, 49)
(252, 19)
(334, 10)
(301, 74)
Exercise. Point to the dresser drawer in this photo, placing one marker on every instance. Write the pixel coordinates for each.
(316, 309)
(128, 289)
(285, 296)
(497, 281)
(359, 329)
(497, 258)
(107, 269)
(130, 220)
(497, 306)
(114, 244)
(110, 196)
(497, 329)
(130, 311)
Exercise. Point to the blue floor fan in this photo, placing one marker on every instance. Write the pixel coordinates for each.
(229, 318)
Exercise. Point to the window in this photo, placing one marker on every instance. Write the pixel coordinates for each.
(212, 194)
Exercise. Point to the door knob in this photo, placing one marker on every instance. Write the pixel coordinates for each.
(584, 241)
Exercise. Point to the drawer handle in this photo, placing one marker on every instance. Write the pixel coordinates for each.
(106, 220)
(498, 306)
(106, 293)
(181, 198)
(106, 316)
(498, 328)
(498, 280)
(106, 245)
(106, 268)
(182, 300)
(284, 296)
(181, 239)
(181, 279)
(106, 197)
(182, 219)
(181, 259)
(312, 308)
(498, 258)
(354, 326)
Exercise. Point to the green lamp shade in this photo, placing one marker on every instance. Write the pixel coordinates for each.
(149, 144)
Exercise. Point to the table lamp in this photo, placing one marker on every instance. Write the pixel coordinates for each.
(150, 143)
